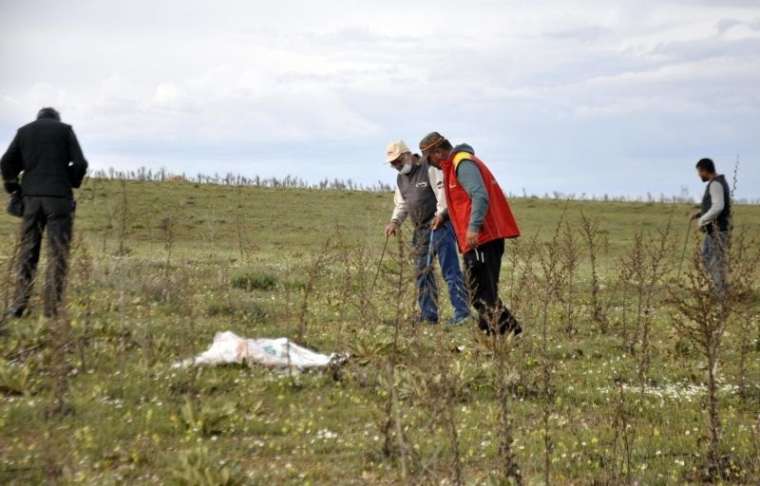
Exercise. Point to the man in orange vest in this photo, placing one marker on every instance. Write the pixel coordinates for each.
(482, 220)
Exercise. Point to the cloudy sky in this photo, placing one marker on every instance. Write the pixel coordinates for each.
(593, 96)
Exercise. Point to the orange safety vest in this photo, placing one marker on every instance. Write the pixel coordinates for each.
(499, 223)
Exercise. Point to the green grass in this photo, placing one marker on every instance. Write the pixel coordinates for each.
(201, 259)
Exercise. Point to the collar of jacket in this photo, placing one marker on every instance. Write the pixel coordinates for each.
(457, 155)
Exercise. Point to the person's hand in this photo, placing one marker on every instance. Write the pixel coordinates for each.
(391, 229)
(11, 186)
(437, 221)
(472, 239)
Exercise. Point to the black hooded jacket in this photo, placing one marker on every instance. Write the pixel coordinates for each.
(47, 155)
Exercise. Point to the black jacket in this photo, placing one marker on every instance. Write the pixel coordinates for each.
(47, 152)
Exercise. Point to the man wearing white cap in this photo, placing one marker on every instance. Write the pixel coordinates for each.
(419, 197)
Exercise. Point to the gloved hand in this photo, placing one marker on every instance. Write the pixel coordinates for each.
(11, 186)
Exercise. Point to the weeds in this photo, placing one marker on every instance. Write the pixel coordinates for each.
(252, 311)
(569, 263)
(452, 406)
(702, 317)
(644, 269)
(197, 467)
(16, 379)
(254, 281)
(509, 465)
(622, 452)
(168, 233)
(551, 267)
(239, 227)
(590, 229)
(205, 421)
(58, 365)
(83, 276)
(446, 392)
(314, 272)
(123, 222)
(395, 439)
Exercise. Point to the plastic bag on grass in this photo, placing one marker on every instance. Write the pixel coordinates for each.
(228, 348)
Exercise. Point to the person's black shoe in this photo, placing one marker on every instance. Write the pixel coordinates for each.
(511, 327)
(15, 313)
(515, 329)
(425, 322)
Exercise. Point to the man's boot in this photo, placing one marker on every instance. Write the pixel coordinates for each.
(15, 312)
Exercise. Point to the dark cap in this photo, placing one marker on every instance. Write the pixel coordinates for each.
(431, 141)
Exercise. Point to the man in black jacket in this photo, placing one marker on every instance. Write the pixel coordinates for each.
(47, 155)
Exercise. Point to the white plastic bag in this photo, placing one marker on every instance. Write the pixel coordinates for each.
(228, 347)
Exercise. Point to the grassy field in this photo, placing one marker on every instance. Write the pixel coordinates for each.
(607, 386)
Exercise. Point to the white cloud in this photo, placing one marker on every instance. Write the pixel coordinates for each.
(318, 88)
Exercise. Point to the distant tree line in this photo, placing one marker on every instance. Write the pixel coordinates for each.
(144, 174)
(230, 179)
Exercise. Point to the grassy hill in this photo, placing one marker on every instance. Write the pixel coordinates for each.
(606, 387)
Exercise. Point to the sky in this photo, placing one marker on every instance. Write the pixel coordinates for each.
(580, 97)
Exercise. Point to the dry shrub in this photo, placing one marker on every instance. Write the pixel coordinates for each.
(592, 237)
(643, 271)
(703, 312)
(254, 280)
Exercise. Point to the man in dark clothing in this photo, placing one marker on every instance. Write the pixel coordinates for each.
(714, 219)
(482, 220)
(419, 197)
(47, 155)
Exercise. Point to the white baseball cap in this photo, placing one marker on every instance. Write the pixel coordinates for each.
(395, 150)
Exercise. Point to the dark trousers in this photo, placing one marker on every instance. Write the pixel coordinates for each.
(482, 268)
(56, 216)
